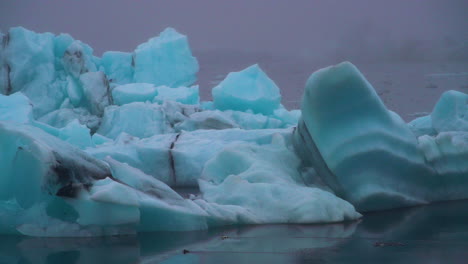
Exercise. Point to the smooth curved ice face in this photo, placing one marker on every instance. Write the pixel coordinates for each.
(366, 153)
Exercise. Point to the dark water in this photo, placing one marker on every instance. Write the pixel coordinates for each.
(430, 234)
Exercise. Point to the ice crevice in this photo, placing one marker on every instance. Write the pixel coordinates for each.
(95, 146)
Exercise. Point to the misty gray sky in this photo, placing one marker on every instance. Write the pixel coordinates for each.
(303, 28)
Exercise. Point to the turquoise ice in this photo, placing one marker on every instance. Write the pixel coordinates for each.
(165, 60)
(367, 154)
(249, 89)
(94, 146)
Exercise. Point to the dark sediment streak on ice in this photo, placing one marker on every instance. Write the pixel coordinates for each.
(172, 160)
(307, 149)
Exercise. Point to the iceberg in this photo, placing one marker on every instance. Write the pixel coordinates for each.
(249, 89)
(35, 82)
(450, 114)
(366, 154)
(165, 60)
(76, 134)
(98, 146)
(65, 192)
(118, 66)
(67, 75)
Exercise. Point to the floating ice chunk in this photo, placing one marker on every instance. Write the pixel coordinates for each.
(422, 126)
(137, 119)
(35, 49)
(165, 60)
(447, 154)
(76, 134)
(265, 181)
(451, 112)
(134, 92)
(184, 95)
(62, 117)
(249, 89)
(38, 82)
(96, 92)
(15, 107)
(364, 152)
(61, 44)
(118, 66)
(64, 71)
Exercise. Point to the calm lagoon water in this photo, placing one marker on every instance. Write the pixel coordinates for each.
(435, 233)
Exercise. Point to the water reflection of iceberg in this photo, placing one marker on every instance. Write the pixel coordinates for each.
(428, 234)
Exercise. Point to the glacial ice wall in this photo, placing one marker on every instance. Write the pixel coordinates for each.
(94, 146)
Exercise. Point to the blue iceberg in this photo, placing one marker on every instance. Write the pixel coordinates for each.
(100, 146)
(368, 155)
